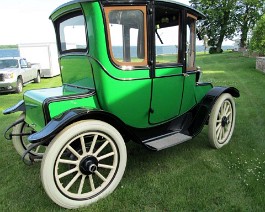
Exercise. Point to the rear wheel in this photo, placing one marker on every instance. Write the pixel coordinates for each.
(19, 88)
(222, 121)
(84, 163)
(20, 141)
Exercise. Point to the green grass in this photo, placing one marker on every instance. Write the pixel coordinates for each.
(188, 177)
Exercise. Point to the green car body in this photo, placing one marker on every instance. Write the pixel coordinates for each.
(133, 96)
(116, 72)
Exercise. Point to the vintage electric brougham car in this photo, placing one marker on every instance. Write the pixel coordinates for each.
(128, 73)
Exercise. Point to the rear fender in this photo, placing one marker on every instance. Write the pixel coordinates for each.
(59, 123)
(203, 109)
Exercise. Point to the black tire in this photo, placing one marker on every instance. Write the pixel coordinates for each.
(19, 87)
(37, 79)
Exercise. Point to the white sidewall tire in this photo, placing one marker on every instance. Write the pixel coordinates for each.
(212, 128)
(60, 141)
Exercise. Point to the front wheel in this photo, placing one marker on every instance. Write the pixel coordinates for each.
(21, 132)
(222, 121)
(84, 163)
(19, 87)
(37, 79)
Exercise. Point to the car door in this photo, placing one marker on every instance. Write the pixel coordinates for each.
(168, 81)
(26, 74)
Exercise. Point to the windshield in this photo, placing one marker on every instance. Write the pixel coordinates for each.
(8, 63)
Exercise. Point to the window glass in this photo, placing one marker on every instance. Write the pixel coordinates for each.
(73, 34)
(191, 42)
(127, 37)
(167, 35)
(23, 63)
(167, 40)
(9, 63)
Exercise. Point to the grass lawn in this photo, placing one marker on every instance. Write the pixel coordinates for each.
(188, 177)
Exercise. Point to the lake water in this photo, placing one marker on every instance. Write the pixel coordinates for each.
(9, 53)
(117, 51)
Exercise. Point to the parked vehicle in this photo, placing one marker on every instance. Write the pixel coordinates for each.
(16, 72)
(43, 53)
(120, 82)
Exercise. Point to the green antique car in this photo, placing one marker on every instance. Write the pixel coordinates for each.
(128, 73)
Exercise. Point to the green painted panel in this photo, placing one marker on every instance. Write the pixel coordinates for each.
(35, 99)
(160, 72)
(166, 99)
(34, 112)
(57, 108)
(201, 90)
(98, 45)
(128, 100)
(189, 99)
(77, 70)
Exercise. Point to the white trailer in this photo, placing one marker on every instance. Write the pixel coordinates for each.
(43, 53)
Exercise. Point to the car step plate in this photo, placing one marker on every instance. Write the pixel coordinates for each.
(167, 141)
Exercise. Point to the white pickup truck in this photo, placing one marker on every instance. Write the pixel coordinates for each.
(16, 72)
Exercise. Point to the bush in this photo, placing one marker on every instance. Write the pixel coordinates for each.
(213, 50)
(257, 42)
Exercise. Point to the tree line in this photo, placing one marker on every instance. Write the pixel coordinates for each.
(226, 19)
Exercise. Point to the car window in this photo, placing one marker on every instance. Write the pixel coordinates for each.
(167, 35)
(8, 63)
(127, 35)
(72, 32)
(23, 63)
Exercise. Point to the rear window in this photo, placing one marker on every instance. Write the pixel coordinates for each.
(72, 33)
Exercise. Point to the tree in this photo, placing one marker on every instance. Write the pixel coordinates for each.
(248, 12)
(220, 22)
(257, 42)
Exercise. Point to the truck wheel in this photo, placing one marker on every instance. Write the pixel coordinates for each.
(37, 79)
(222, 121)
(19, 88)
(19, 139)
(84, 163)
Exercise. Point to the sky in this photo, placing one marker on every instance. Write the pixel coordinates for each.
(27, 21)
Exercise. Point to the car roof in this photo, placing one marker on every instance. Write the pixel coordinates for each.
(171, 2)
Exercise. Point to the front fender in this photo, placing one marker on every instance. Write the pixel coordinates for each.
(74, 115)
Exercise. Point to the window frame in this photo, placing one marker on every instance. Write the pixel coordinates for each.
(123, 65)
(193, 45)
(66, 17)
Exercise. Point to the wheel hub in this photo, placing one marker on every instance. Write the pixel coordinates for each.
(225, 121)
(88, 165)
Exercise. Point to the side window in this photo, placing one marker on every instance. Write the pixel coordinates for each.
(72, 33)
(23, 63)
(167, 35)
(127, 35)
(191, 42)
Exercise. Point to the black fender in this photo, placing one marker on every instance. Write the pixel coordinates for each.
(20, 106)
(203, 109)
(77, 114)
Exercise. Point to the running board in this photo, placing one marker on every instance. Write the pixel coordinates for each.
(166, 141)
